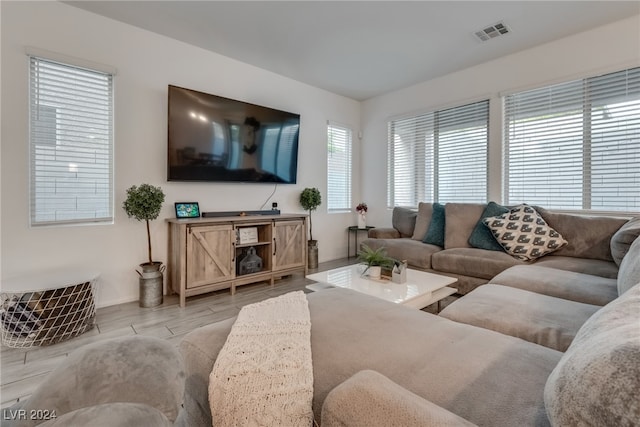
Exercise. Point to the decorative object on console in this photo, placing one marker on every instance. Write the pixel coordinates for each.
(310, 199)
(144, 203)
(362, 209)
(250, 262)
(375, 260)
(524, 234)
(187, 210)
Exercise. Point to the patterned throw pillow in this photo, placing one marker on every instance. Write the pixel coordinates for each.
(524, 234)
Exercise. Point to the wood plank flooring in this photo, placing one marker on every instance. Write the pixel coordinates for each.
(23, 369)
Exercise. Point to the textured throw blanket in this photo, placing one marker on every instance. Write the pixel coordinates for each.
(263, 375)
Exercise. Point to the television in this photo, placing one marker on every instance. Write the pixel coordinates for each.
(212, 138)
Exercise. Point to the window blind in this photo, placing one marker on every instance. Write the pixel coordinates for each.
(439, 156)
(339, 141)
(575, 145)
(71, 143)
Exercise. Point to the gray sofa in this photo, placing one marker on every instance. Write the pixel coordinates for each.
(378, 363)
(588, 249)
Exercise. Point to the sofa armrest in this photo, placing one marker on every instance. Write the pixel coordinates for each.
(370, 398)
(384, 233)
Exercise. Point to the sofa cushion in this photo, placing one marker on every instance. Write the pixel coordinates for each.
(481, 237)
(596, 267)
(404, 220)
(369, 398)
(416, 253)
(629, 273)
(472, 262)
(425, 210)
(623, 238)
(580, 287)
(541, 319)
(587, 237)
(524, 234)
(597, 380)
(461, 219)
(435, 232)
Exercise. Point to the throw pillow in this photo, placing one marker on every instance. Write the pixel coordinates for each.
(404, 220)
(596, 381)
(481, 237)
(435, 233)
(422, 221)
(623, 238)
(524, 234)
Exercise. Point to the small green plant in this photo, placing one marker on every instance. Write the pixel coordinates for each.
(310, 199)
(144, 203)
(375, 257)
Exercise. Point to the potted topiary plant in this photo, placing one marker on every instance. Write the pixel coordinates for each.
(144, 203)
(310, 199)
(375, 260)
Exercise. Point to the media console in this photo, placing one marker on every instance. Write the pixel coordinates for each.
(239, 213)
(205, 253)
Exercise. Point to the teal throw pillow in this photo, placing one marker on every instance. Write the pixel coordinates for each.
(481, 237)
(435, 233)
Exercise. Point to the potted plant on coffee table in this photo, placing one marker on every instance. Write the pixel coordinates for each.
(374, 260)
(310, 199)
(144, 203)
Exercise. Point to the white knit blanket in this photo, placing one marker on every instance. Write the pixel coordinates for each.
(263, 376)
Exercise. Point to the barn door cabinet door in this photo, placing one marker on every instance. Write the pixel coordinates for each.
(289, 244)
(210, 254)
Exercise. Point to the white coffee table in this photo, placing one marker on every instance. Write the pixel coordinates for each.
(420, 290)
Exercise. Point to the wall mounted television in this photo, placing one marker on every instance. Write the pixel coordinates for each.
(211, 138)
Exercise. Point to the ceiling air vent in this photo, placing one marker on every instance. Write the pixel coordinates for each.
(492, 31)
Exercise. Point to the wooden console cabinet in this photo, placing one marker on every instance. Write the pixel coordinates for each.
(205, 253)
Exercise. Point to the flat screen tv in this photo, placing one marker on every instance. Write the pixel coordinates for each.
(212, 138)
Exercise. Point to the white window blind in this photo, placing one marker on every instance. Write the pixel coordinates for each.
(71, 140)
(339, 143)
(439, 156)
(575, 145)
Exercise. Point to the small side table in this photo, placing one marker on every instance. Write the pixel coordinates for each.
(354, 229)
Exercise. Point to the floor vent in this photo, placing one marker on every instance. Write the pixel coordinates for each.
(492, 31)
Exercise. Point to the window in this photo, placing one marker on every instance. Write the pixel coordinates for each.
(71, 143)
(575, 145)
(439, 156)
(338, 168)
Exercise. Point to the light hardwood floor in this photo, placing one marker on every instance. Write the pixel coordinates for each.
(23, 369)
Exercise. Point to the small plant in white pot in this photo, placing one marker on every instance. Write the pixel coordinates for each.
(374, 260)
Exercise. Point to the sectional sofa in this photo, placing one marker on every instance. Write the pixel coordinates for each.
(537, 346)
(463, 253)
(377, 363)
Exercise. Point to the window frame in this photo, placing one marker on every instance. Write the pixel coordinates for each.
(589, 89)
(427, 187)
(347, 176)
(37, 59)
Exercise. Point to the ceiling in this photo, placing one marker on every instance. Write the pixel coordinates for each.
(361, 49)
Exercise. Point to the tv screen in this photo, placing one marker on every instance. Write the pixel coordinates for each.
(212, 138)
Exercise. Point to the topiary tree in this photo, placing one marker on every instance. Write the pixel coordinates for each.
(310, 199)
(144, 203)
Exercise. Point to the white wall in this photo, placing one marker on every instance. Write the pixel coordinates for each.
(146, 64)
(609, 48)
